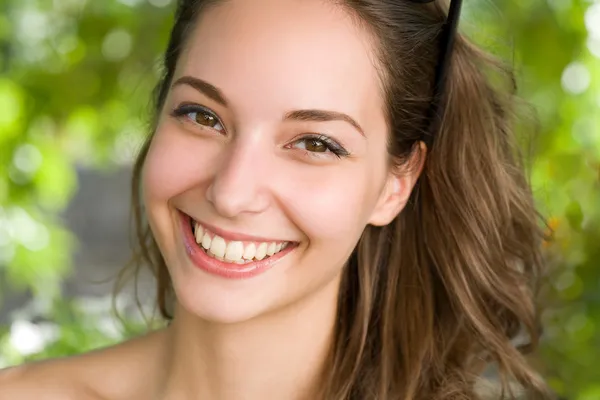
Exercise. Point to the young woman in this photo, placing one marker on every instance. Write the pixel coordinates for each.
(334, 208)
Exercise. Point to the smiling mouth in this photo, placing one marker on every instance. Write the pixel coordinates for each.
(234, 251)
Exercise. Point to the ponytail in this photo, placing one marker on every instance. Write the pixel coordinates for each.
(446, 289)
(478, 222)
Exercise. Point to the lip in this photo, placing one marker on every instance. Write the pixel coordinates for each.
(226, 270)
(235, 236)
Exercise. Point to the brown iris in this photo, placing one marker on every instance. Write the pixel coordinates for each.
(315, 145)
(206, 119)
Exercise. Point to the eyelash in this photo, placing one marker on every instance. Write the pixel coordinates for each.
(189, 108)
(331, 145)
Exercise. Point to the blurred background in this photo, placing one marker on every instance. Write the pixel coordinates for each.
(75, 82)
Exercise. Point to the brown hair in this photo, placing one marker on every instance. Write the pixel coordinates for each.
(430, 299)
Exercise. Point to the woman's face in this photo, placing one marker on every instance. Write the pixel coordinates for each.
(272, 141)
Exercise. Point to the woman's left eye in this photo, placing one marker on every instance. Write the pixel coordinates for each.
(199, 115)
(320, 144)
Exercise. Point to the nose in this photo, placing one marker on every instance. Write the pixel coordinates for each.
(239, 185)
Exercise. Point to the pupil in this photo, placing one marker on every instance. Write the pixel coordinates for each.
(205, 119)
(316, 146)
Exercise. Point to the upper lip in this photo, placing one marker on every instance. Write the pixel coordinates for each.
(228, 235)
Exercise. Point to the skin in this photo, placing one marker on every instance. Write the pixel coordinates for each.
(253, 173)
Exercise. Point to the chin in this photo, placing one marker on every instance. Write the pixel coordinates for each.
(223, 286)
(214, 302)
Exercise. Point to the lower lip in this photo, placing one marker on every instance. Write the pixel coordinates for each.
(221, 268)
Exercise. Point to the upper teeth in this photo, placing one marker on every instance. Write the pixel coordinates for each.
(235, 251)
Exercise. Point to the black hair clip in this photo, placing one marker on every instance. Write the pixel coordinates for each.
(447, 38)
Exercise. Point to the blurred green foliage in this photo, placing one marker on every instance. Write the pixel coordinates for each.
(75, 81)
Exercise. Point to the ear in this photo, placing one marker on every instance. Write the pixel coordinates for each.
(398, 187)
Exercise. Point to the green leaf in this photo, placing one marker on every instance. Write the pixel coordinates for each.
(574, 215)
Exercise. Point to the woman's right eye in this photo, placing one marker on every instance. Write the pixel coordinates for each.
(199, 115)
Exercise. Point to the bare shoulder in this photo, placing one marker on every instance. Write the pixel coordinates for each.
(42, 380)
(111, 373)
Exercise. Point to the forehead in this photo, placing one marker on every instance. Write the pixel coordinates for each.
(287, 53)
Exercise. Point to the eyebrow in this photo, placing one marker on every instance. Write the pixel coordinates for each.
(217, 95)
(203, 87)
(323, 116)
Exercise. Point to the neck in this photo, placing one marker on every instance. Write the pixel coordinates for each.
(280, 355)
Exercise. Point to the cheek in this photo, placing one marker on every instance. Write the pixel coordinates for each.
(333, 207)
(174, 164)
(172, 167)
(159, 182)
